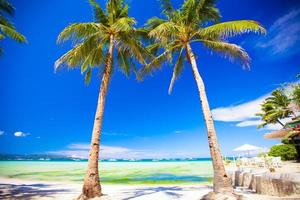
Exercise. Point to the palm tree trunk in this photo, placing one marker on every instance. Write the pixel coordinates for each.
(222, 183)
(91, 187)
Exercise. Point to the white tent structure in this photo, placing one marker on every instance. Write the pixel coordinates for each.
(247, 148)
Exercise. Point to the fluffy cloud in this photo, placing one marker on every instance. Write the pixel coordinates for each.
(270, 127)
(245, 114)
(21, 134)
(78, 150)
(249, 123)
(238, 113)
(1, 133)
(283, 36)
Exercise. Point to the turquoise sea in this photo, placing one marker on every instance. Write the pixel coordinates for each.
(147, 172)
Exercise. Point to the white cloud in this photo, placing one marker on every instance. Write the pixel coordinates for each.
(283, 36)
(1, 133)
(178, 131)
(21, 134)
(244, 114)
(82, 150)
(270, 127)
(249, 123)
(241, 112)
(79, 146)
(78, 150)
(114, 134)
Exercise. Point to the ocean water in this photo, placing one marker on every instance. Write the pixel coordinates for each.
(176, 172)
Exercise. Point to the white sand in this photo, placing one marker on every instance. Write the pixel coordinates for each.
(24, 189)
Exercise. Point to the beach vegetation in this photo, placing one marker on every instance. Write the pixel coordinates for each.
(285, 151)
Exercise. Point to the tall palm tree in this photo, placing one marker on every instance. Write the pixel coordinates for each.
(275, 108)
(175, 33)
(7, 29)
(111, 40)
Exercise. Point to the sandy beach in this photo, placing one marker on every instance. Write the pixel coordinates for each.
(24, 189)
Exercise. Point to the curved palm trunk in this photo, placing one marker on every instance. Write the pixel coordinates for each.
(222, 183)
(91, 187)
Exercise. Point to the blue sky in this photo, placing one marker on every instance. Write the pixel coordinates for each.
(47, 112)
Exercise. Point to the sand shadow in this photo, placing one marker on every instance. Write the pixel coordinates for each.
(28, 191)
(172, 191)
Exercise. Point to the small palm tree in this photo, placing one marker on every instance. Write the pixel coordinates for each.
(175, 33)
(275, 108)
(111, 40)
(7, 29)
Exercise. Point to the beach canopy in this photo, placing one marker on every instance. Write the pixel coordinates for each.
(247, 147)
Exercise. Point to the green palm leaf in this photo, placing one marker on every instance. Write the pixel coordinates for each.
(79, 31)
(177, 69)
(99, 14)
(12, 33)
(231, 51)
(232, 28)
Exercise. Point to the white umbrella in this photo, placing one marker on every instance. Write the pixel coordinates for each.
(247, 148)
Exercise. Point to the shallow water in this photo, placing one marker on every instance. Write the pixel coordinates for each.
(187, 172)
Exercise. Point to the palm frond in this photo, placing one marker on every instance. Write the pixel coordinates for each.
(232, 28)
(94, 58)
(99, 14)
(208, 11)
(128, 42)
(154, 22)
(167, 6)
(6, 7)
(125, 64)
(124, 24)
(124, 11)
(163, 31)
(177, 69)
(156, 63)
(79, 31)
(76, 56)
(231, 51)
(88, 76)
(189, 11)
(6, 22)
(12, 33)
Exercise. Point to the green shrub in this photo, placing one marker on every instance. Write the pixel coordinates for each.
(262, 155)
(285, 151)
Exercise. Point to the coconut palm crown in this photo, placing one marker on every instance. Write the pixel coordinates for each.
(7, 29)
(275, 108)
(187, 25)
(173, 35)
(92, 40)
(110, 41)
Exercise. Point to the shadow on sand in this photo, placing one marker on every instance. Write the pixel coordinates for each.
(173, 192)
(28, 191)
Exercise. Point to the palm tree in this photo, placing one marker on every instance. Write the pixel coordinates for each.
(108, 41)
(275, 108)
(175, 33)
(7, 29)
(296, 96)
